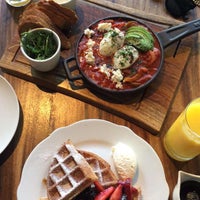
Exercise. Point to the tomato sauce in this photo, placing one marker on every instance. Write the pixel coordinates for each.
(137, 74)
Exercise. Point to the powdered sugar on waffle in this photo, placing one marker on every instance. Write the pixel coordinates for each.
(69, 174)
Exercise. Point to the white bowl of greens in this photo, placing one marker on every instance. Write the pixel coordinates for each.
(41, 46)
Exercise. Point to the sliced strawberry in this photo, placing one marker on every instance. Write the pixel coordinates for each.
(98, 186)
(105, 194)
(127, 189)
(117, 194)
(134, 191)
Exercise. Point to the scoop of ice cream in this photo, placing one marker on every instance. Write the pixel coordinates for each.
(124, 160)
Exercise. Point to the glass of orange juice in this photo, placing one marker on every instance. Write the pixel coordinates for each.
(182, 140)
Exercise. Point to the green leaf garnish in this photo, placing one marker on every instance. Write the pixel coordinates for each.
(39, 44)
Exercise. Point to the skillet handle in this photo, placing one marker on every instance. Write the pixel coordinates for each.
(173, 34)
(73, 78)
(69, 70)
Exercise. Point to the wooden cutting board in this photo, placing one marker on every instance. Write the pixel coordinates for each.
(147, 110)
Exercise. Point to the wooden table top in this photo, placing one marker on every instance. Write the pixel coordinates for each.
(42, 112)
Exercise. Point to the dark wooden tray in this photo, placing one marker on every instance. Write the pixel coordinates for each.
(148, 110)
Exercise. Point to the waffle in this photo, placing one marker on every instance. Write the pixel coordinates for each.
(101, 168)
(69, 174)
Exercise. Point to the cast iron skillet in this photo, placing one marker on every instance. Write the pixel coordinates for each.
(165, 38)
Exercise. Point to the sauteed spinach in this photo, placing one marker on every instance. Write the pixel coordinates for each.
(39, 44)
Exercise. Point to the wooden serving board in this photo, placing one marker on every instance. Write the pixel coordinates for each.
(148, 110)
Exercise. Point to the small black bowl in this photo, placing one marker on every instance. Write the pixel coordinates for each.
(190, 190)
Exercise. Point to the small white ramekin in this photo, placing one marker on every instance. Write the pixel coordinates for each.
(49, 63)
(20, 3)
(67, 3)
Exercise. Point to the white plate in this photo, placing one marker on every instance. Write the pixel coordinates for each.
(97, 136)
(9, 113)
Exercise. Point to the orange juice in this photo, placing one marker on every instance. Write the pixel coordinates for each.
(182, 141)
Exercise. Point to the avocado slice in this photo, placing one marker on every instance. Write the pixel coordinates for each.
(140, 38)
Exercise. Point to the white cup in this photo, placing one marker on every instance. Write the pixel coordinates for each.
(184, 177)
(49, 63)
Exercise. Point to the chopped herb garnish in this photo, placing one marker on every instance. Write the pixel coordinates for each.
(39, 45)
